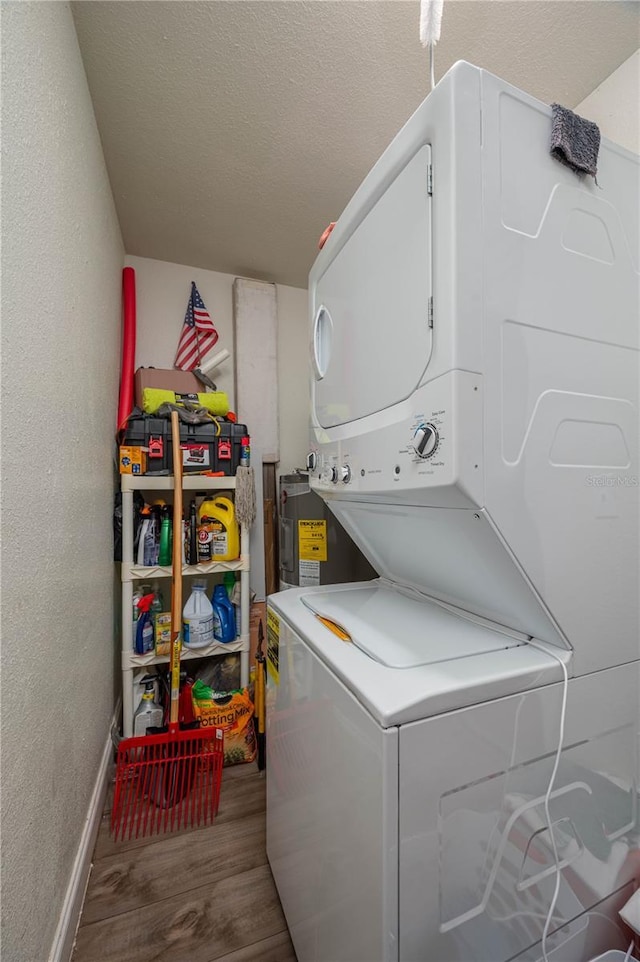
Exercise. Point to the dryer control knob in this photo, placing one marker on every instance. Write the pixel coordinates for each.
(425, 440)
(312, 461)
(345, 473)
(329, 474)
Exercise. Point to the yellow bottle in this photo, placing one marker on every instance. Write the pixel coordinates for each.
(218, 533)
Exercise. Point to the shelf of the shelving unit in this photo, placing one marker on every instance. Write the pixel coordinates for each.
(190, 482)
(131, 660)
(144, 573)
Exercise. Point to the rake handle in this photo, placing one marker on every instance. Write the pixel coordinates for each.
(176, 573)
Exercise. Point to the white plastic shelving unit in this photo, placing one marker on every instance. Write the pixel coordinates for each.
(131, 572)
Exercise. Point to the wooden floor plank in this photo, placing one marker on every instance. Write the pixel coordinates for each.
(278, 948)
(241, 796)
(240, 771)
(132, 879)
(198, 926)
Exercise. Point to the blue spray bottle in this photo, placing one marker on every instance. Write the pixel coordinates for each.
(144, 626)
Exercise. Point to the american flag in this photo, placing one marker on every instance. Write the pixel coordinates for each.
(198, 334)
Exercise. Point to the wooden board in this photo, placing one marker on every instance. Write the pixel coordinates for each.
(255, 320)
(255, 335)
(270, 502)
(270, 554)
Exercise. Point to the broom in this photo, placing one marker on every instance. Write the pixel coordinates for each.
(171, 778)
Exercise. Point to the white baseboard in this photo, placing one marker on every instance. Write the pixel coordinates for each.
(74, 897)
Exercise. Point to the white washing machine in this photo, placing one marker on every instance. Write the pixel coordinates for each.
(474, 329)
(406, 820)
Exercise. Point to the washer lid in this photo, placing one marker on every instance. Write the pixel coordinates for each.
(401, 630)
(410, 659)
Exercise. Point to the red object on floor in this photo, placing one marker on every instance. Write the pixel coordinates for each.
(125, 402)
(167, 782)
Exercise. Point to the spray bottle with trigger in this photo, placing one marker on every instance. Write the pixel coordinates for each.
(144, 626)
(149, 713)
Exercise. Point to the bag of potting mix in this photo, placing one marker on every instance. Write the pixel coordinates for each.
(233, 712)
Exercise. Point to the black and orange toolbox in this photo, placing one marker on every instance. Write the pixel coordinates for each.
(213, 446)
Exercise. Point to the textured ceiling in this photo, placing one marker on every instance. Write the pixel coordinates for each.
(234, 131)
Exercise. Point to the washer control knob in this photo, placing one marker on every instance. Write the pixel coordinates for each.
(312, 461)
(425, 440)
(345, 474)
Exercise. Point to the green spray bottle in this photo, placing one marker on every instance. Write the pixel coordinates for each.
(164, 556)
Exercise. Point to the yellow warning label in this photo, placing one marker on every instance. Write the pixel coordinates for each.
(273, 645)
(312, 540)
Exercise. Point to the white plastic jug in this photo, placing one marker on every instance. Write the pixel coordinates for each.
(197, 619)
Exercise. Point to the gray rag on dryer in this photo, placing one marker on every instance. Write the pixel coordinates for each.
(574, 141)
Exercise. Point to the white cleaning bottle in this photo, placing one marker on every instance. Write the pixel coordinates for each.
(149, 713)
(197, 619)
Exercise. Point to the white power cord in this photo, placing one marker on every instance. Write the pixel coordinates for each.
(629, 951)
(563, 715)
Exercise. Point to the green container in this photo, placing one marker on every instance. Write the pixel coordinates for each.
(164, 556)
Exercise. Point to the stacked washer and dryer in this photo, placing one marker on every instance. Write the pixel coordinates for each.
(475, 378)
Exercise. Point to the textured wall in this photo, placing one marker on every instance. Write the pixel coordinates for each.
(260, 139)
(162, 293)
(61, 276)
(614, 105)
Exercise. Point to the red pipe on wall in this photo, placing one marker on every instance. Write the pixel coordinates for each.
(125, 403)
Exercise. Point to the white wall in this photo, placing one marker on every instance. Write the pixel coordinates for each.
(61, 280)
(615, 105)
(162, 291)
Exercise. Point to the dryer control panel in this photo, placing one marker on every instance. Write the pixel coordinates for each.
(414, 445)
